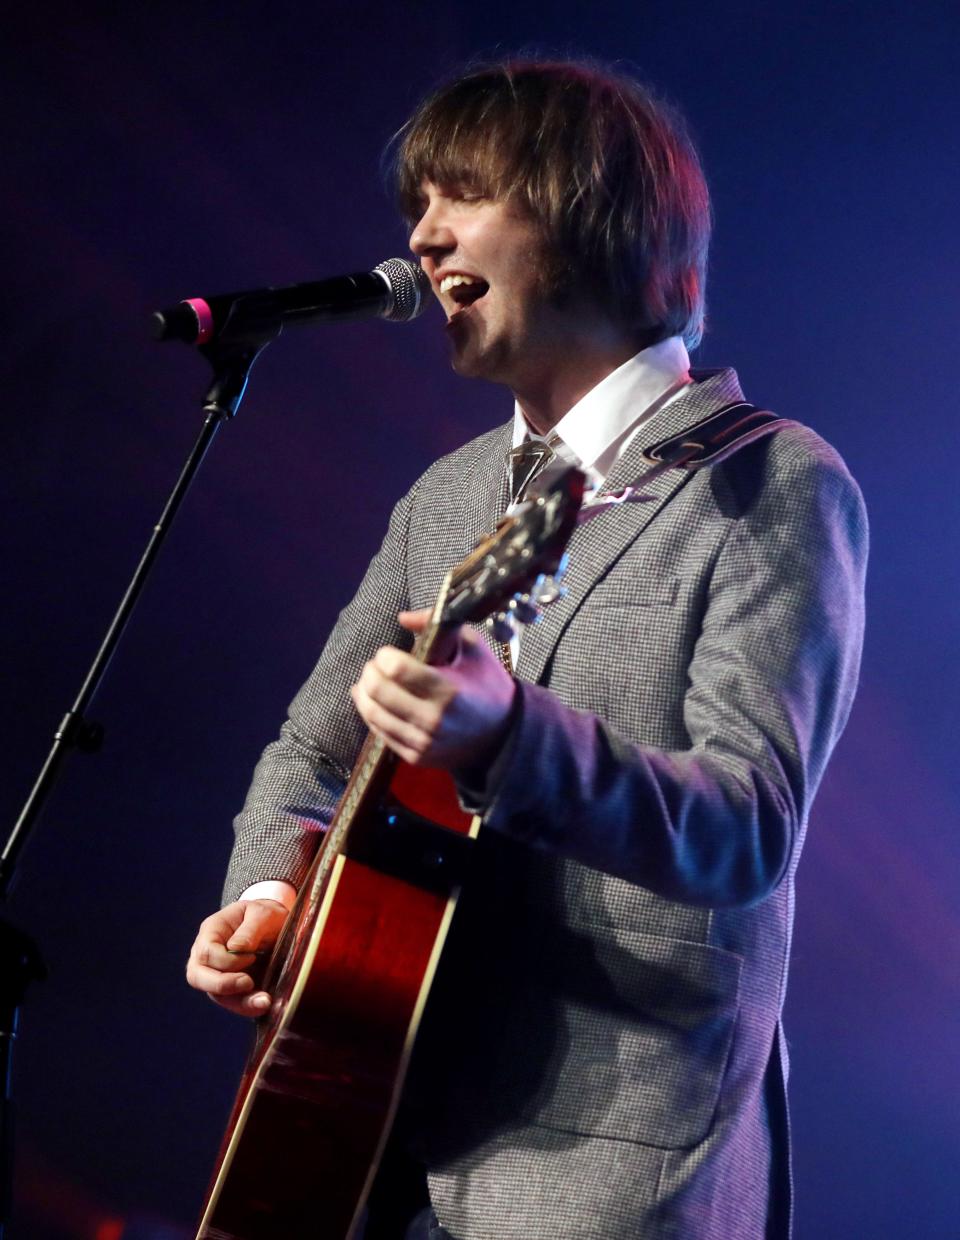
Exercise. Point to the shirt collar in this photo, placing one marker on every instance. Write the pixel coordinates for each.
(598, 424)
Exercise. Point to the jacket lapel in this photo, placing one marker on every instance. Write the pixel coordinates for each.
(488, 491)
(597, 544)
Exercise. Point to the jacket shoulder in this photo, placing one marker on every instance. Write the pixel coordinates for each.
(793, 457)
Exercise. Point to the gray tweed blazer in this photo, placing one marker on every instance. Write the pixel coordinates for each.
(601, 1056)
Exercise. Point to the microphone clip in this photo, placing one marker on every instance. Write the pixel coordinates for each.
(253, 321)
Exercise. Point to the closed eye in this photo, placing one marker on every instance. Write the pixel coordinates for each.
(463, 191)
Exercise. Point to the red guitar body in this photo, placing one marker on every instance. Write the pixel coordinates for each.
(319, 1092)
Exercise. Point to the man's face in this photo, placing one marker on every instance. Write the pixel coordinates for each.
(487, 263)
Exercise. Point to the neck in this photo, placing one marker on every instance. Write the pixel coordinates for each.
(545, 396)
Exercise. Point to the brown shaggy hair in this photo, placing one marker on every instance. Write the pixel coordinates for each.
(608, 170)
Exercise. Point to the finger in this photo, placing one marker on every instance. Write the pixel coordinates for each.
(415, 621)
(259, 928)
(471, 646)
(218, 927)
(249, 1005)
(412, 757)
(470, 638)
(209, 949)
(399, 700)
(216, 981)
(403, 736)
(400, 668)
(216, 956)
(443, 645)
(394, 711)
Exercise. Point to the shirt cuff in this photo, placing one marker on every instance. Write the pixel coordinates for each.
(272, 889)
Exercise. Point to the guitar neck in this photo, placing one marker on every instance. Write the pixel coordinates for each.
(376, 763)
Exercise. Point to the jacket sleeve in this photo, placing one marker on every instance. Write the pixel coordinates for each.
(719, 822)
(300, 776)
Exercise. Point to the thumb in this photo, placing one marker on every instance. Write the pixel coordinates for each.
(473, 648)
(259, 917)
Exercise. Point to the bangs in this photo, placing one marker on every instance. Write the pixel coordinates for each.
(470, 136)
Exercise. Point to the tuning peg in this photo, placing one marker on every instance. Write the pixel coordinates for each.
(525, 609)
(502, 627)
(547, 590)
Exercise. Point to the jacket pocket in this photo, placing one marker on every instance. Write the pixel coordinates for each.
(645, 1030)
(620, 590)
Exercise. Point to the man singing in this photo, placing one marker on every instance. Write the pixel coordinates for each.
(601, 1056)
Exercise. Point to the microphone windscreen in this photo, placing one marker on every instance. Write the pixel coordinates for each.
(410, 286)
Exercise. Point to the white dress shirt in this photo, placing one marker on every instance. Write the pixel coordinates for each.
(599, 428)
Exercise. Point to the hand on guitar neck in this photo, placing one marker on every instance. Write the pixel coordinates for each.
(451, 714)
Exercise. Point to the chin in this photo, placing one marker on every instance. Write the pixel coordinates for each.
(466, 361)
(466, 367)
(471, 362)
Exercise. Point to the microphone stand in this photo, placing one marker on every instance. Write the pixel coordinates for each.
(231, 355)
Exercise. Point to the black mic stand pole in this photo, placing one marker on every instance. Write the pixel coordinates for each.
(232, 355)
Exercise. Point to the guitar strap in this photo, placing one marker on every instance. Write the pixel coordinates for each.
(711, 440)
(708, 442)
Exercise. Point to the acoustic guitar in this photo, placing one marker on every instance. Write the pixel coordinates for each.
(352, 969)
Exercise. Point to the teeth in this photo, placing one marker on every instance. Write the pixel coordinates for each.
(449, 282)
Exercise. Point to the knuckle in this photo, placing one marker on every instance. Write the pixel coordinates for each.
(388, 661)
(418, 751)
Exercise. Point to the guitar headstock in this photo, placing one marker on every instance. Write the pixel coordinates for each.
(526, 548)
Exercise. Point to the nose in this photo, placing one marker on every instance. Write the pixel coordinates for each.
(432, 234)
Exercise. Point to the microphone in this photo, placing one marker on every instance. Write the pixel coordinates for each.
(396, 290)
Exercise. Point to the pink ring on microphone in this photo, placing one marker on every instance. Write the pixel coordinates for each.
(204, 318)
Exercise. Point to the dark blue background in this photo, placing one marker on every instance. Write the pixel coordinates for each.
(155, 151)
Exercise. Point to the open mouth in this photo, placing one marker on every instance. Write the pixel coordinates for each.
(463, 290)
